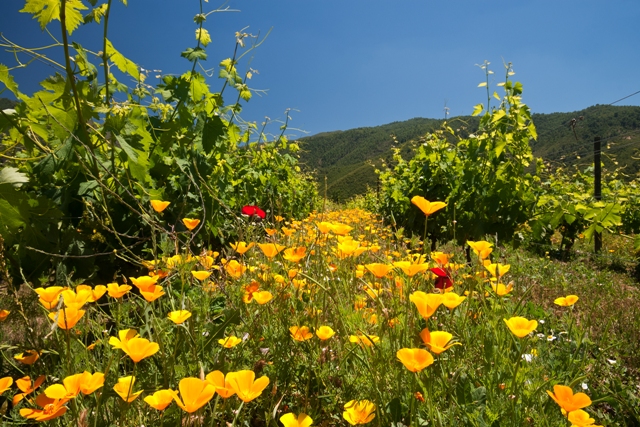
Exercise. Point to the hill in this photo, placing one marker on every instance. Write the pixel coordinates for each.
(7, 103)
(348, 158)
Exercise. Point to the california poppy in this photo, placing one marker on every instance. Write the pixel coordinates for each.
(190, 223)
(245, 385)
(520, 326)
(359, 412)
(568, 401)
(4, 314)
(124, 388)
(159, 205)
(426, 206)
(291, 420)
(51, 408)
(300, 333)
(222, 385)
(567, 301)
(194, 394)
(27, 359)
(324, 332)
(5, 383)
(414, 359)
(179, 316)
(160, 399)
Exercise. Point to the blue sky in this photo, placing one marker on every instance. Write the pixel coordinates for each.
(354, 63)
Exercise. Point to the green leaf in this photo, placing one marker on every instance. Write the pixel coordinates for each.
(125, 65)
(46, 11)
(7, 80)
(96, 14)
(498, 115)
(193, 54)
(636, 244)
(213, 129)
(128, 149)
(9, 175)
(477, 109)
(245, 94)
(203, 36)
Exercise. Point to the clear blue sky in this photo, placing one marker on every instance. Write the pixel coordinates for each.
(354, 63)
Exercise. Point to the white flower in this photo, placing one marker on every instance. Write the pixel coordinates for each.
(612, 361)
(584, 386)
(527, 357)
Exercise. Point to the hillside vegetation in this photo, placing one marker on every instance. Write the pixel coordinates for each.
(348, 158)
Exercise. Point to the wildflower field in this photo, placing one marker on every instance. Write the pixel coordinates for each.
(163, 262)
(329, 320)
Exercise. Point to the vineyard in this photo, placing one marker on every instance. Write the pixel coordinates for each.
(164, 262)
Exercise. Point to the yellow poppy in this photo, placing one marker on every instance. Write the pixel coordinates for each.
(72, 385)
(223, 388)
(325, 332)
(437, 341)
(427, 304)
(481, 248)
(49, 297)
(145, 283)
(160, 399)
(235, 269)
(262, 297)
(568, 401)
(190, 223)
(580, 418)
(294, 254)
(300, 333)
(179, 316)
(194, 394)
(411, 269)
(379, 270)
(414, 359)
(291, 420)
(230, 342)
(500, 289)
(5, 383)
(201, 275)
(159, 205)
(364, 340)
(242, 247)
(67, 318)
(124, 388)
(152, 293)
(359, 412)
(27, 387)
(520, 326)
(567, 301)
(270, 249)
(451, 300)
(426, 206)
(245, 385)
(117, 291)
(51, 408)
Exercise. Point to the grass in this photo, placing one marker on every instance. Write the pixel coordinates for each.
(489, 377)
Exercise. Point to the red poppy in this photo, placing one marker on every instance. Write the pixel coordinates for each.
(251, 210)
(443, 281)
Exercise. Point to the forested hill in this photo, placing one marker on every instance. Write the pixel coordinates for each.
(346, 157)
(7, 103)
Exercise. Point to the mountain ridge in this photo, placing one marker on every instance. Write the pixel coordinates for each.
(348, 158)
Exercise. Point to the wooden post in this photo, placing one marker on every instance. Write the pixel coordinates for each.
(597, 186)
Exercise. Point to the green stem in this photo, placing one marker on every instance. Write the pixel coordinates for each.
(237, 413)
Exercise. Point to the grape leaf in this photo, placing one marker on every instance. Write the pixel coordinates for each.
(46, 11)
(125, 65)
